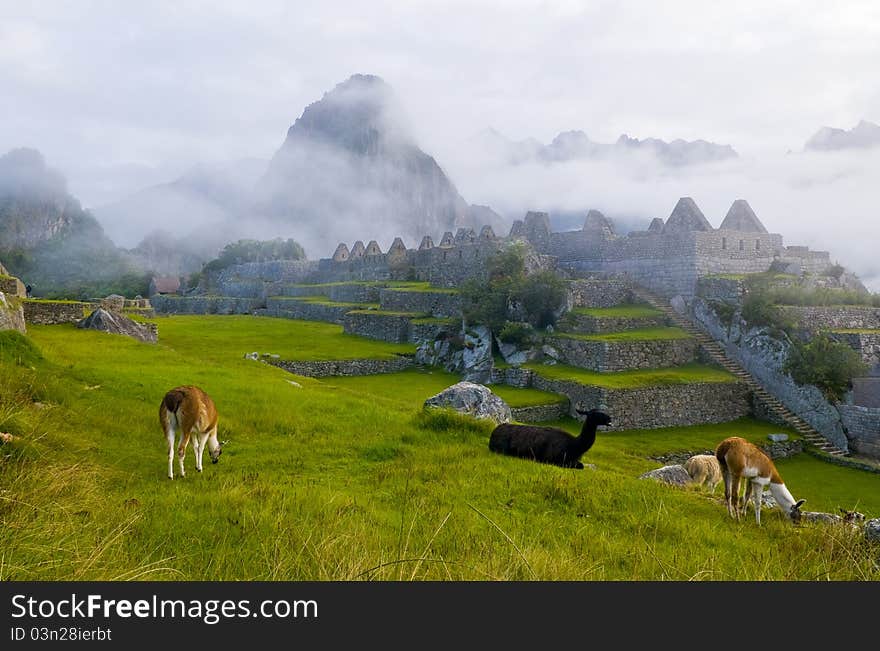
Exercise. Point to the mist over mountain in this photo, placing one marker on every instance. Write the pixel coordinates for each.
(862, 136)
(351, 168)
(576, 145)
(200, 206)
(47, 239)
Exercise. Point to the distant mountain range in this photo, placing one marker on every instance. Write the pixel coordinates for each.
(575, 145)
(862, 136)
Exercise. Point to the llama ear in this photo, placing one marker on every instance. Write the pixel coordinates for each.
(798, 504)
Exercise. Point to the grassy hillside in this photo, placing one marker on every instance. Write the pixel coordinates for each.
(348, 479)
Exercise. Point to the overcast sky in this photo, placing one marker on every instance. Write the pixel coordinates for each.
(136, 92)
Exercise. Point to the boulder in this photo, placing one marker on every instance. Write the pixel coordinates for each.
(469, 355)
(872, 530)
(778, 438)
(473, 399)
(113, 303)
(674, 475)
(119, 324)
(11, 315)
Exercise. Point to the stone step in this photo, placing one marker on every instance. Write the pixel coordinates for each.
(717, 353)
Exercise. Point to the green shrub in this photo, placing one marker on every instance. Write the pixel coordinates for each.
(488, 302)
(826, 364)
(517, 333)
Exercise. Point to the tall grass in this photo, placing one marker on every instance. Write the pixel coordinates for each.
(328, 481)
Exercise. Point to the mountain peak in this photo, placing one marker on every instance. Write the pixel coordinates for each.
(865, 134)
(359, 114)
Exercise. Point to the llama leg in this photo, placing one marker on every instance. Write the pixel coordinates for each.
(181, 451)
(748, 494)
(736, 497)
(201, 440)
(727, 478)
(169, 438)
(758, 491)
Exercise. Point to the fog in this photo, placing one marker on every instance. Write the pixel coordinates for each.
(121, 97)
(829, 201)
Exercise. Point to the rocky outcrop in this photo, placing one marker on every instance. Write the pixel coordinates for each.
(674, 475)
(11, 314)
(118, 324)
(468, 354)
(113, 303)
(472, 399)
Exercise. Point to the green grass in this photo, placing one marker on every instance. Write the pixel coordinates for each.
(857, 331)
(437, 321)
(416, 385)
(50, 300)
(323, 300)
(634, 311)
(233, 336)
(345, 479)
(633, 379)
(420, 287)
(411, 315)
(640, 334)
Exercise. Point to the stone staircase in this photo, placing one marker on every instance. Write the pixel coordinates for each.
(718, 355)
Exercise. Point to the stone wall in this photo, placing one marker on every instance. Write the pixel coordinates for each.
(436, 304)
(600, 292)
(863, 429)
(624, 355)
(866, 391)
(645, 408)
(659, 406)
(291, 308)
(723, 290)
(834, 317)
(40, 312)
(586, 324)
(540, 413)
(345, 367)
(354, 293)
(12, 287)
(205, 304)
(430, 330)
(378, 325)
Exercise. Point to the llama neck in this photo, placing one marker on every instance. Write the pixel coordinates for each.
(783, 497)
(588, 436)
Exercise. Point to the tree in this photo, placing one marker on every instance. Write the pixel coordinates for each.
(540, 295)
(825, 363)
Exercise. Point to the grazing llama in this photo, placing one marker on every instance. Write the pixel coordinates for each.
(548, 444)
(189, 410)
(704, 469)
(740, 459)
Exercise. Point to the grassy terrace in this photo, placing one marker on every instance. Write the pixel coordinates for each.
(858, 331)
(633, 379)
(234, 335)
(347, 479)
(640, 334)
(634, 311)
(50, 300)
(411, 315)
(323, 300)
(420, 287)
(414, 386)
(437, 321)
